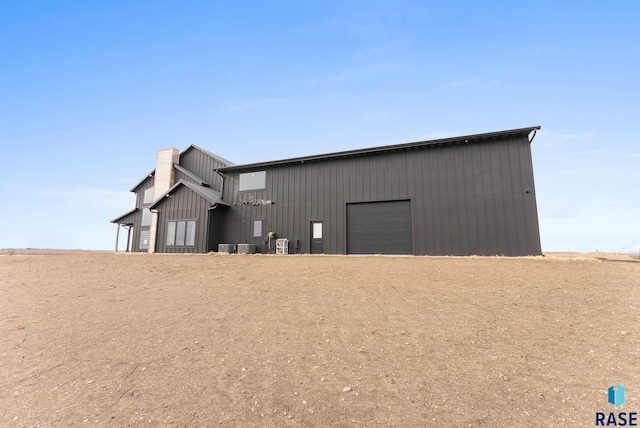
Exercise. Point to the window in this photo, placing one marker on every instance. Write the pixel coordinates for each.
(253, 180)
(181, 227)
(317, 230)
(257, 228)
(191, 233)
(144, 239)
(148, 196)
(146, 217)
(181, 233)
(171, 233)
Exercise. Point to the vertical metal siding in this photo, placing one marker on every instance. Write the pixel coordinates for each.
(466, 199)
(203, 166)
(530, 210)
(184, 204)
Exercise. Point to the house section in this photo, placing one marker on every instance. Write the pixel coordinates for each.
(455, 196)
(174, 203)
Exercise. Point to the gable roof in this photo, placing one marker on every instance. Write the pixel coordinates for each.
(212, 196)
(208, 153)
(184, 170)
(139, 183)
(387, 149)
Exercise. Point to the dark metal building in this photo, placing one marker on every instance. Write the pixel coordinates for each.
(455, 196)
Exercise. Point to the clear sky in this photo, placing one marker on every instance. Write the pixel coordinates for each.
(89, 90)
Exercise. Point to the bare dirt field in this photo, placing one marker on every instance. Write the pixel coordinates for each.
(109, 339)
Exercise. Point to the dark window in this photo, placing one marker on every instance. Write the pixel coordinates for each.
(144, 239)
(181, 233)
(253, 180)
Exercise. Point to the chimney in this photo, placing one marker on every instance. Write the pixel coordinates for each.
(162, 181)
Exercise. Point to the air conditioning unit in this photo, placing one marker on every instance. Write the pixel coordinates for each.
(246, 248)
(227, 248)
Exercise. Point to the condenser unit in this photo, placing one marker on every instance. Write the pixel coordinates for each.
(226, 248)
(246, 248)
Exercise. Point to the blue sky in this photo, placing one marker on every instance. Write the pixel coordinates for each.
(90, 90)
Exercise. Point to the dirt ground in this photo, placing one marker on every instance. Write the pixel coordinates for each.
(315, 341)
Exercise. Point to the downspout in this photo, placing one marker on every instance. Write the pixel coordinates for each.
(222, 187)
(155, 230)
(211, 208)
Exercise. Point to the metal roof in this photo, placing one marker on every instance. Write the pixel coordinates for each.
(133, 189)
(386, 149)
(117, 219)
(191, 175)
(185, 171)
(212, 196)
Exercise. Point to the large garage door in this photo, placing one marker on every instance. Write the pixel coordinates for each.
(379, 228)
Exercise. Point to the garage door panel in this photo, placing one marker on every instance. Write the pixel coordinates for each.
(379, 228)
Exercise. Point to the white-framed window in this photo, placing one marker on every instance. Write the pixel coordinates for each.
(181, 233)
(257, 228)
(253, 180)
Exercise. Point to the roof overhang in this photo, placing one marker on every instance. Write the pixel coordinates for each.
(118, 220)
(146, 177)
